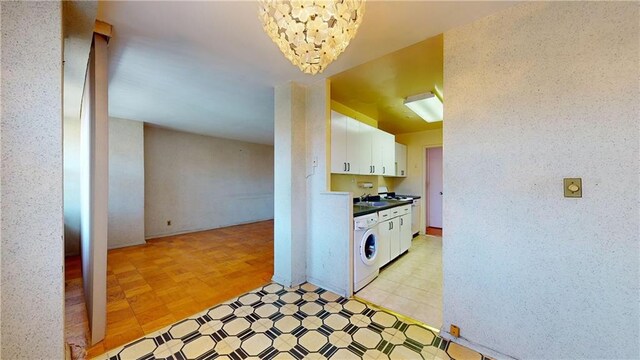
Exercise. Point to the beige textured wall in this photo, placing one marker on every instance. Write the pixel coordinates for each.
(534, 94)
(201, 182)
(32, 296)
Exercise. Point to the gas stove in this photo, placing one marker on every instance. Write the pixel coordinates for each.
(393, 196)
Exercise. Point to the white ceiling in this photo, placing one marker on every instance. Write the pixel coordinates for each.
(208, 67)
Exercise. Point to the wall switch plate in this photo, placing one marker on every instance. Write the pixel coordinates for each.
(454, 331)
(573, 187)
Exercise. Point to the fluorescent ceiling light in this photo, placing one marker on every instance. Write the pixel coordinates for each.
(428, 106)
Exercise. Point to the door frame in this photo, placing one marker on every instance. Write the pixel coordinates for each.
(425, 190)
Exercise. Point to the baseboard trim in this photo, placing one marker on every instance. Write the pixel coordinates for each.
(321, 284)
(474, 346)
(148, 237)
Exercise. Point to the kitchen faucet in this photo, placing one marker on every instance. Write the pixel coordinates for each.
(364, 197)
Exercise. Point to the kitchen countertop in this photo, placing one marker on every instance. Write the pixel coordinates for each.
(359, 210)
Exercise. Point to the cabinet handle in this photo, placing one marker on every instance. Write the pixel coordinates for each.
(345, 166)
(401, 221)
(383, 170)
(374, 168)
(349, 167)
(390, 225)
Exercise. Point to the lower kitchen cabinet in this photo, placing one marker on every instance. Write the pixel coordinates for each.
(405, 232)
(385, 238)
(395, 238)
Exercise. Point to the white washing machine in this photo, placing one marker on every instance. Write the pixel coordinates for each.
(365, 259)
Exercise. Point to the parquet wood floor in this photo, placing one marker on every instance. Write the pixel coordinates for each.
(434, 231)
(154, 285)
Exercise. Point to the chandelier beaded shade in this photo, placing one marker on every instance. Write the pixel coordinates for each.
(311, 33)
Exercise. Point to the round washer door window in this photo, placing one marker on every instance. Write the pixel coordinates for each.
(369, 247)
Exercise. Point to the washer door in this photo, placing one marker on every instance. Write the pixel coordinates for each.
(369, 247)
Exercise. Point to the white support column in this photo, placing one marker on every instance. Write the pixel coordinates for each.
(95, 188)
(290, 209)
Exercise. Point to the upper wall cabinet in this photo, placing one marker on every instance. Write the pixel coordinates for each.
(357, 148)
(401, 160)
(345, 144)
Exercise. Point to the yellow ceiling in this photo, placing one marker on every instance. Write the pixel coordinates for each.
(378, 88)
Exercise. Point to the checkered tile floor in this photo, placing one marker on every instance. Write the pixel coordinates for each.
(306, 322)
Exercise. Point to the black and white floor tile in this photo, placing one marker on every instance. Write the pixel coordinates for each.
(305, 322)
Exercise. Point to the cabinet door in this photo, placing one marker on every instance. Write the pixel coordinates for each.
(366, 142)
(354, 145)
(401, 160)
(384, 239)
(405, 232)
(377, 137)
(338, 143)
(388, 147)
(394, 244)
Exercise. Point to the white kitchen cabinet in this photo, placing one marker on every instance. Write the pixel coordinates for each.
(381, 149)
(388, 150)
(394, 233)
(345, 144)
(405, 232)
(357, 148)
(367, 134)
(401, 160)
(394, 244)
(377, 138)
(385, 236)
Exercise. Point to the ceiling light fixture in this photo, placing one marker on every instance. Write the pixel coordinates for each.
(428, 106)
(311, 33)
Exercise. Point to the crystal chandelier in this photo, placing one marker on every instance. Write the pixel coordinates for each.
(311, 33)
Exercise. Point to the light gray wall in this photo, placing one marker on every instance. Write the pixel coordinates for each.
(534, 94)
(201, 182)
(32, 314)
(126, 183)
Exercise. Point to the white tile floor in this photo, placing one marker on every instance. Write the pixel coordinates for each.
(412, 284)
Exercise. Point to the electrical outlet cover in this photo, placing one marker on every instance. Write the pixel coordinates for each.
(572, 187)
(454, 331)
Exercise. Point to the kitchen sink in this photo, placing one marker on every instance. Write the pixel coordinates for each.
(372, 203)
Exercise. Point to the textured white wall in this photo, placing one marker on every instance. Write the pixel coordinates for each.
(534, 94)
(32, 298)
(290, 207)
(126, 183)
(329, 230)
(201, 182)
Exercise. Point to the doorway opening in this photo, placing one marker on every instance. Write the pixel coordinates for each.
(411, 285)
(433, 191)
